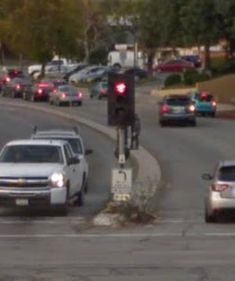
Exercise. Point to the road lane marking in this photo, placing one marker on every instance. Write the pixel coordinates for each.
(117, 235)
(35, 221)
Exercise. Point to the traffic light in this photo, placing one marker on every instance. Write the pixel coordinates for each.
(121, 99)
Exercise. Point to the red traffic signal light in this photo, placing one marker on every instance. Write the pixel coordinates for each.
(121, 99)
(120, 88)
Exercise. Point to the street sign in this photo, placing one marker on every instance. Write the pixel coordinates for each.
(121, 181)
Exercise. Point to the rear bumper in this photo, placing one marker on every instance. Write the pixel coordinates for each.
(214, 201)
(23, 197)
(179, 117)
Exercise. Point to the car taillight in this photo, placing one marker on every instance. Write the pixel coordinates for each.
(214, 103)
(63, 95)
(191, 108)
(165, 108)
(219, 187)
(8, 79)
(79, 94)
(18, 87)
(39, 91)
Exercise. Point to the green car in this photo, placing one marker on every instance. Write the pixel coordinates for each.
(99, 90)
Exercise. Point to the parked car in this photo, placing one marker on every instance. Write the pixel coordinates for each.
(76, 142)
(195, 59)
(177, 108)
(220, 193)
(79, 67)
(40, 173)
(39, 91)
(65, 94)
(205, 103)
(138, 72)
(177, 65)
(15, 87)
(99, 89)
(87, 73)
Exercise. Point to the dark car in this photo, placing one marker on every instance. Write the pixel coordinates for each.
(195, 59)
(7, 74)
(39, 91)
(138, 72)
(177, 109)
(16, 87)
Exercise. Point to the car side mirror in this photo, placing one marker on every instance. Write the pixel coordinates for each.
(88, 151)
(73, 160)
(207, 177)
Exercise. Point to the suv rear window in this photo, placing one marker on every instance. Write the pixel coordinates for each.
(227, 173)
(178, 101)
(204, 97)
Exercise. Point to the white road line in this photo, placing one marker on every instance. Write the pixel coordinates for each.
(116, 235)
(35, 221)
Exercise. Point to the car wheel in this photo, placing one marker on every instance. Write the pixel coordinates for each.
(80, 198)
(79, 103)
(63, 211)
(209, 218)
(162, 123)
(212, 114)
(85, 187)
(193, 123)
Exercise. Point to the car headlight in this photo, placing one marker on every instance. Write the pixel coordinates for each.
(57, 179)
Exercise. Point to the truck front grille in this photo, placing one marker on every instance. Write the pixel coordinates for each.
(29, 182)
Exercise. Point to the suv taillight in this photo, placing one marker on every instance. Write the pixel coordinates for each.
(165, 108)
(219, 187)
(214, 103)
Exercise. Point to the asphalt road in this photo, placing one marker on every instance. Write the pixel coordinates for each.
(178, 247)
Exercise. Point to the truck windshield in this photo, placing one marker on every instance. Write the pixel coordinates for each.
(31, 154)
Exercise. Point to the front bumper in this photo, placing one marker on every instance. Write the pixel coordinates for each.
(40, 197)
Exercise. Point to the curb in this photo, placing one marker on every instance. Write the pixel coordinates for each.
(148, 167)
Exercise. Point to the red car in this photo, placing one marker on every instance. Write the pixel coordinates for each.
(174, 66)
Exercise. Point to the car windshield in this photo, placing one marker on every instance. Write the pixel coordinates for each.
(227, 173)
(32, 154)
(181, 101)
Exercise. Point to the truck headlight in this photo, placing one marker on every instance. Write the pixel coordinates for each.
(57, 179)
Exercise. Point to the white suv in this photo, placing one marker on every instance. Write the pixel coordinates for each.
(76, 142)
(40, 173)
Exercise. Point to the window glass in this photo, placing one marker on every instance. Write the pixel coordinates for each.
(181, 101)
(227, 173)
(32, 154)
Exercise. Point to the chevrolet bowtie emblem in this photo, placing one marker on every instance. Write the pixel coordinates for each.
(21, 181)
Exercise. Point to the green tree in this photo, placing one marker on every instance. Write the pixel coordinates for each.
(225, 11)
(160, 25)
(198, 18)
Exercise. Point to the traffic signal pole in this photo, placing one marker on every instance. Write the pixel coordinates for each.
(121, 114)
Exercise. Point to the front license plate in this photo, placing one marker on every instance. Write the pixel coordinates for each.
(22, 202)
